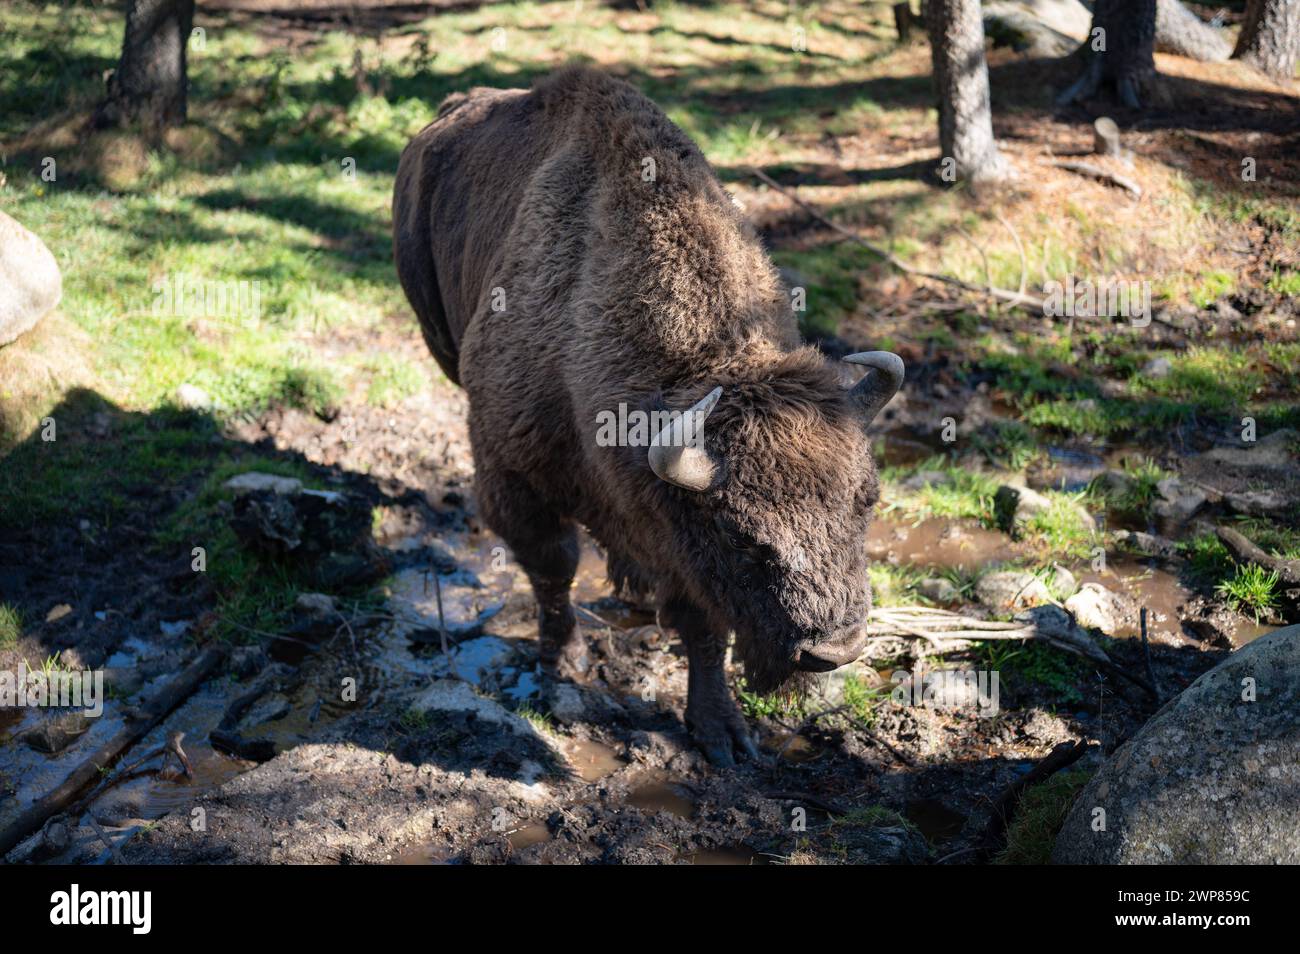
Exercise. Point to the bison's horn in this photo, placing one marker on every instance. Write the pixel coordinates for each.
(880, 383)
(677, 452)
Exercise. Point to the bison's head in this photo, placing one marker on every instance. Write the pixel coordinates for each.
(780, 491)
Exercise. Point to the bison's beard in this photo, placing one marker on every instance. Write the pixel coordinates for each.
(768, 671)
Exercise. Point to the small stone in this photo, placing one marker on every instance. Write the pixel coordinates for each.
(315, 604)
(938, 590)
(254, 481)
(1157, 368)
(1095, 607)
(1014, 506)
(926, 478)
(1007, 589)
(53, 735)
(56, 614)
(1063, 582)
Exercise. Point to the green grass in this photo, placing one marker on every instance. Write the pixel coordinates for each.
(862, 699)
(1210, 287)
(11, 625)
(1251, 589)
(1057, 671)
(392, 379)
(778, 705)
(1039, 817)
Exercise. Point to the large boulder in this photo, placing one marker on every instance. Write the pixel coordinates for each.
(30, 282)
(1213, 778)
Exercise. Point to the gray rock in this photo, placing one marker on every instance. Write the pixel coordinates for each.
(54, 734)
(315, 604)
(1157, 368)
(1258, 503)
(1272, 452)
(1176, 502)
(30, 282)
(938, 590)
(926, 478)
(1007, 589)
(254, 481)
(1063, 582)
(1014, 506)
(1211, 779)
(1095, 607)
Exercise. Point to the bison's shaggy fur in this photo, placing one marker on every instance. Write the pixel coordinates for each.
(567, 249)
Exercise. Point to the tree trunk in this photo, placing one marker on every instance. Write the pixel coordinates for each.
(1270, 37)
(961, 78)
(1183, 33)
(1120, 49)
(149, 86)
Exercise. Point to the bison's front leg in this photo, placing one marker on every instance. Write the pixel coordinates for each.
(716, 723)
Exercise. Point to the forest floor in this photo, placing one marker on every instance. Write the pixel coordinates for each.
(284, 175)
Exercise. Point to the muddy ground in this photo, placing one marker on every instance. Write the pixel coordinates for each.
(458, 757)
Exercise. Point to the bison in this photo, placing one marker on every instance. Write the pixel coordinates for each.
(571, 255)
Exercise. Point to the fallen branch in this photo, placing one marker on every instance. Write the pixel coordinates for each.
(1244, 551)
(153, 712)
(951, 632)
(1018, 299)
(1004, 807)
(1097, 172)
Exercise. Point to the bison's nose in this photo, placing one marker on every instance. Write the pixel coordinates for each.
(827, 654)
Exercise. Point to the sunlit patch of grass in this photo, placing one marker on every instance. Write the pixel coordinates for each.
(1057, 671)
(1251, 589)
(1210, 286)
(1285, 282)
(1208, 560)
(863, 699)
(392, 379)
(777, 705)
(1009, 444)
(962, 492)
(1038, 818)
(1217, 380)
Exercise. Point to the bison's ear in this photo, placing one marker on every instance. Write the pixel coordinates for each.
(880, 384)
(677, 452)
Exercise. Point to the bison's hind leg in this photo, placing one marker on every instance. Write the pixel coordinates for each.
(546, 546)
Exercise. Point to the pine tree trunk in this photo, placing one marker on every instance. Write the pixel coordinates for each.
(149, 86)
(1122, 53)
(961, 79)
(1270, 37)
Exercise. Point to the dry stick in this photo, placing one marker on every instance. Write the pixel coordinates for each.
(157, 709)
(1097, 172)
(1028, 302)
(442, 626)
(103, 836)
(988, 274)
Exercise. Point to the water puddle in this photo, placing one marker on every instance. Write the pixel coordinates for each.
(533, 833)
(662, 796)
(935, 820)
(592, 760)
(938, 542)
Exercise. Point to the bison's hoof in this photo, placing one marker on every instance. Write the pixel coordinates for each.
(571, 662)
(724, 738)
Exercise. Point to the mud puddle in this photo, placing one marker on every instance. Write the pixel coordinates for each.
(938, 542)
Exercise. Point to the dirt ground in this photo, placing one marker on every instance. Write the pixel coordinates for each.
(367, 743)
